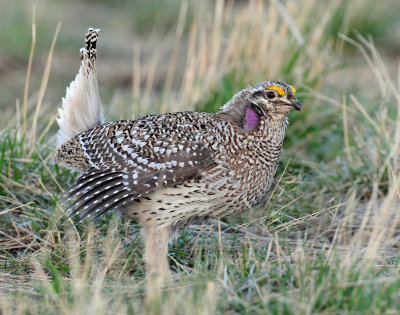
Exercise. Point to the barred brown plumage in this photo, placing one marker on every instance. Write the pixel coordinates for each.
(165, 170)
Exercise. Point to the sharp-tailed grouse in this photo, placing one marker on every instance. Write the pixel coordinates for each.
(165, 170)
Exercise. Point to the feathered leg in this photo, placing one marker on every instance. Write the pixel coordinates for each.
(156, 241)
(155, 256)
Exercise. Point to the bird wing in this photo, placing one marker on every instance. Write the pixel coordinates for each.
(131, 158)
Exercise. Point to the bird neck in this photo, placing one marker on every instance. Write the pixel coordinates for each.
(267, 137)
(273, 128)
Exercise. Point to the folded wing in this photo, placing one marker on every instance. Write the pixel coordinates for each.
(129, 159)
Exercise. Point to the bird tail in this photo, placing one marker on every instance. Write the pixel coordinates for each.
(81, 108)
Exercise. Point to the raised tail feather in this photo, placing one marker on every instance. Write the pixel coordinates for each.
(81, 108)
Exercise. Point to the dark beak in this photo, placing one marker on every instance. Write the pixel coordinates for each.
(297, 105)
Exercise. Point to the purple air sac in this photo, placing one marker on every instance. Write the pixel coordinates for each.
(251, 119)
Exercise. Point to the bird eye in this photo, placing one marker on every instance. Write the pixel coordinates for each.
(270, 95)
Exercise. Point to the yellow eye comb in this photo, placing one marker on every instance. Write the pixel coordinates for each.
(280, 91)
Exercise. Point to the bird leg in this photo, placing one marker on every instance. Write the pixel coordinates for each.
(156, 241)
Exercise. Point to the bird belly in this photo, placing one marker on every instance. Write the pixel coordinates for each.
(215, 195)
(177, 205)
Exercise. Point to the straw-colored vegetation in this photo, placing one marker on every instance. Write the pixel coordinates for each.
(325, 240)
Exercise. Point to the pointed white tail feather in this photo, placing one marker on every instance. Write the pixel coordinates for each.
(81, 108)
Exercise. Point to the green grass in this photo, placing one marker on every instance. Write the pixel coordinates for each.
(325, 239)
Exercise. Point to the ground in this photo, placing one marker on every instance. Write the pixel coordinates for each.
(326, 238)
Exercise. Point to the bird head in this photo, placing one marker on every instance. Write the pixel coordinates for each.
(272, 99)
